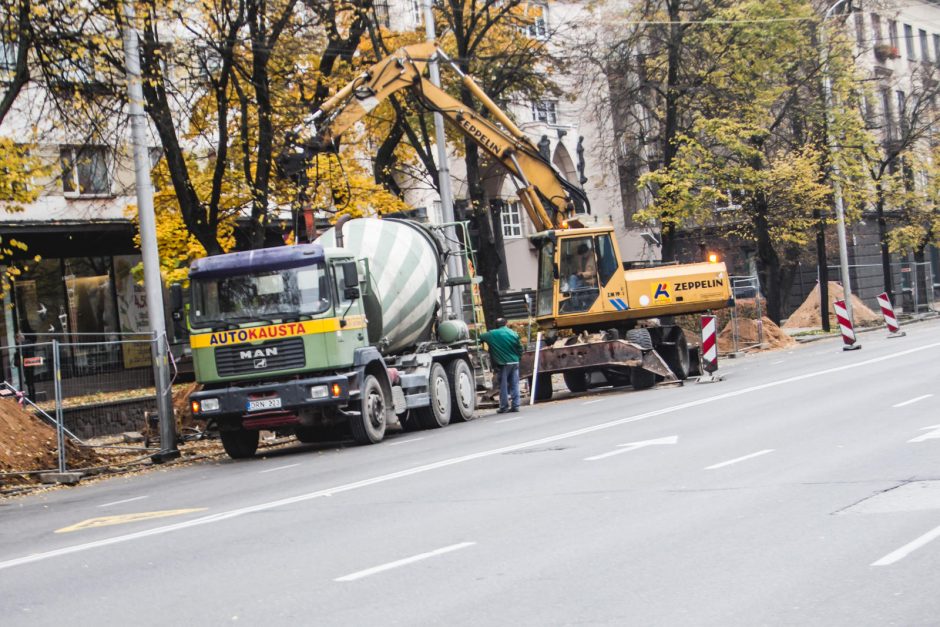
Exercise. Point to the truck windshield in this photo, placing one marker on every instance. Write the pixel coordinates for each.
(262, 296)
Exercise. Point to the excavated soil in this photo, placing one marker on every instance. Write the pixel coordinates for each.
(808, 316)
(773, 337)
(27, 443)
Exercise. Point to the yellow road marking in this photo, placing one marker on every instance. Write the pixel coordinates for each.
(120, 519)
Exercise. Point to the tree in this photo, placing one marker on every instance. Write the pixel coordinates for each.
(754, 144)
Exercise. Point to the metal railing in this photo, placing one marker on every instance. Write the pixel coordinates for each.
(746, 287)
(48, 377)
(915, 292)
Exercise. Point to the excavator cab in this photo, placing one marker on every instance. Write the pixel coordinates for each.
(581, 283)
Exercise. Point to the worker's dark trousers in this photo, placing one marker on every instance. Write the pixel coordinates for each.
(508, 385)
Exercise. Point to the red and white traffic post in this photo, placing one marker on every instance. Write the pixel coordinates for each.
(709, 350)
(891, 320)
(845, 325)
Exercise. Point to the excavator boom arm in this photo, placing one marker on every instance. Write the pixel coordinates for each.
(549, 199)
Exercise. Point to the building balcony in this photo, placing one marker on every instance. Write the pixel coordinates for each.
(883, 52)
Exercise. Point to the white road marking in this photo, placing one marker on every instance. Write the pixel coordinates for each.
(278, 468)
(405, 441)
(632, 446)
(403, 562)
(446, 463)
(739, 459)
(596, 400)
(934, 433)
(779, 361)
(913, 400)
(907, 549)
(508, 419)
(136, 498)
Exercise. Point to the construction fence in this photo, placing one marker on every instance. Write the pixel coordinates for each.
(84, 386)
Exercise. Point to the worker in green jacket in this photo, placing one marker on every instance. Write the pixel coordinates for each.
(505, 350)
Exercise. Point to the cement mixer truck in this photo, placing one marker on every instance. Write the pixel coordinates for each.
(344, 331)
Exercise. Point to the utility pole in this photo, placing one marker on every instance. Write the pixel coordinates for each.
(443, 171)
(836, 185)
(153, 283)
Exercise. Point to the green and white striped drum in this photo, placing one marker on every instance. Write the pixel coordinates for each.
(405, 263)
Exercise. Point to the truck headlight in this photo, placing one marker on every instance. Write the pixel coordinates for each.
(210, 404)
(319, 391)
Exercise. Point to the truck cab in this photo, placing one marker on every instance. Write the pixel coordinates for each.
(276, 334)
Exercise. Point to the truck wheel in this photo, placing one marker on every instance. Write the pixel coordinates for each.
(642, 379)
(463, 391)
(640, 337)
(543, 388)
(437, 413)
(676, 356)
(576, 380)
(241, 443)
(369, 426)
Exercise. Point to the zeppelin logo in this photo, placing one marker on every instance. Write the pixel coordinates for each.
(697, 285)
(477, 134)
(257, 333)
(258, 353)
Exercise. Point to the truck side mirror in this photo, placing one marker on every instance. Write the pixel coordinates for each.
(176, 297)
(350, 274)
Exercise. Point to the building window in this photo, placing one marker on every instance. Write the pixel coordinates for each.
(909, 42)
(902, 110)
(860, 29)
(85, 170)
(893, 33)
(417, 13)
(8, 53)
(936, 49)
(511, 219)
(537, 28)
(545, 111)
(877, 35)
(382, 14)
(888, 118)
(924, 47)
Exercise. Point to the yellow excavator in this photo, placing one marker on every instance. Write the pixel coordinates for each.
(583, 285)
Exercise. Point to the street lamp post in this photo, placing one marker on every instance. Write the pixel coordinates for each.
(836, 185)
(443, 171)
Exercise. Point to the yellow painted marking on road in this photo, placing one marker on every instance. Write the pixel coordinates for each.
(120, 519)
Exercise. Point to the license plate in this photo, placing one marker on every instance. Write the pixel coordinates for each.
(265, 403)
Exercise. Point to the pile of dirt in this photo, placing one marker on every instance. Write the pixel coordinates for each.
(27, 443)
(771, 336)
(808, 316)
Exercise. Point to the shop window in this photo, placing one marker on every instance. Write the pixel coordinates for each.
(85, 170)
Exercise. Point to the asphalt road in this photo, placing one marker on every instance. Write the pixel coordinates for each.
(801, 490)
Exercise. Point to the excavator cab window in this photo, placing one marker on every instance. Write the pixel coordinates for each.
(547, 271)
(606, 258)
(577, 275)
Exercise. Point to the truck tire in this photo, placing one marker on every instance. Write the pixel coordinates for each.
(369, 426)
(576, 380)
(437, 413)
(240, 443)
(640, 337)
(642, 379)
(677, 357)
(617, 378)
(463, 391)
(543, 388)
